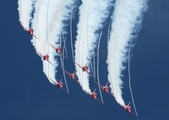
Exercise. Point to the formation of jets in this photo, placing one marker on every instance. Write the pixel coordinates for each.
(72, 76)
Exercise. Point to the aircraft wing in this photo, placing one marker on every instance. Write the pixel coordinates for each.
(99, 100)
(87, 92)
(63, 55)
(64, 90)
(99, 84)
(133, 114)
(121, 105)
(76, 80)
(51, 45)
(110, 94)
(23, 27)
(90, 74)
(39, 54)
(78, 65)
(50, 63)
(66, 72)
(53, 81)
(35, 36)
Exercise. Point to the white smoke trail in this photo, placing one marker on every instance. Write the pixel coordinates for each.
(25, 10)
(39, 26)
(48, 26)
(92, 15)
(126, 18)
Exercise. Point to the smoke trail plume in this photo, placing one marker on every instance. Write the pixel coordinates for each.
(127, 17)
(25, 9)
(93, 14)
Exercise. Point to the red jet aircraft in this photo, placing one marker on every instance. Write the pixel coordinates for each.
(94, 95)
(59, 84)
(45, 57)
(58, 50)
(30, 31)
(104, 88)
(71, 75)
(85, 68)
(128, 109)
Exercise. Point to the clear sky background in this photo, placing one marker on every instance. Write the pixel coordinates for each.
(26, 94)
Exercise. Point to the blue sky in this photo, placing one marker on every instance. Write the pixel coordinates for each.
(27, 94)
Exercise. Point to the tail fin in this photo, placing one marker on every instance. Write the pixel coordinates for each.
(53, 80)
(86, 64)
(128, 104)
(107, 83)
(74, 72)
(60, 80)
(94, 90)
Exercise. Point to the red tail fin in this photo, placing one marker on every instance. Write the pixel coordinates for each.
(107, 83)
(94, 90)
(60, 80)
(128, 104)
